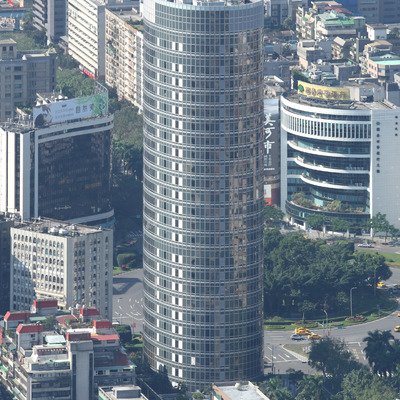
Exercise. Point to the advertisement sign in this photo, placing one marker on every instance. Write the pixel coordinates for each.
(271, 137)
(323, 92)
(66, 110)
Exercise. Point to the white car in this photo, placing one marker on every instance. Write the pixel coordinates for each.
(297, 337)
(364, 245)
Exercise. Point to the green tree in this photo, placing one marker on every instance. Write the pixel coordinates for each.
(298, 76)
(273, 216)
(311, 387)
(182, 390)
(340, 225)
(73, 83)
(274, 390)
(360, 384)
(379, 223)
(288, 24)
(49, 323)
(128, 126)
(335, 205)
(124, 332)
(306, 306)
(394, 33)
(379, 352)
(316, 221)
(301, 199)
(331, 357)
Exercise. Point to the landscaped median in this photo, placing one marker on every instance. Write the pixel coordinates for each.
(383, 306)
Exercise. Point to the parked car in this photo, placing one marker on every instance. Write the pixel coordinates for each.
(367, 245)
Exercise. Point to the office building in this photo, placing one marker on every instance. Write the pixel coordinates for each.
(54, 260)
(340, 149)
(39, 360)
(59, 164)
(203, 190)
(22, 75)
(50, 16)
(124, 48)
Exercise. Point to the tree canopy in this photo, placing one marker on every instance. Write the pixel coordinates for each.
(299, 270)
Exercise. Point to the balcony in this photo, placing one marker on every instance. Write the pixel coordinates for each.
(319, 167)
(326, 184)
(324, 152)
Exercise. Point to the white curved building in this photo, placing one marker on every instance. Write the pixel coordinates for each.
(340, 150)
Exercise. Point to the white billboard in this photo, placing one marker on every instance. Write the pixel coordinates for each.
(66, 110)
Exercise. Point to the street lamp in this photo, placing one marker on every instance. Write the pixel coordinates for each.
(326, 320)
(351, 301)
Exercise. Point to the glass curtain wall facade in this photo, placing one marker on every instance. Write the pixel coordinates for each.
(203, 197)
(328, 158)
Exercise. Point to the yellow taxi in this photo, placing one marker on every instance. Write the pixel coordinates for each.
(302, 331)
(381, 284)
(314, 336)
(397, 328)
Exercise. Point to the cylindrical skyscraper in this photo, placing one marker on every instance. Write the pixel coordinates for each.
(203, 197)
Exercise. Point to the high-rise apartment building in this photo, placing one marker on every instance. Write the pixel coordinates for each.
(124, 48)
(22, 75)
(59, 165)
(50, 16)
(70, 263)
(203, 189)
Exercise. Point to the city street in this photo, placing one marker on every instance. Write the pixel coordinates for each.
(128, 309)
(128, 299)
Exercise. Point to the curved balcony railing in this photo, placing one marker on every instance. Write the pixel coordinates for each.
(326, 184)
(319, 152)
(319, 167)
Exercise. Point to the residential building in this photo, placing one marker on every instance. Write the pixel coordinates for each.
(333, 23)
(5, 245)
(383, 67)
(203, 190)
(327, 20)
(58, 165)
(22, 75)
(341, 48)
(38, 361)
(340, 144)
(55, 260)
(279, 67)
(50, 16)
(86, 35)
(377, 31)
(278, 10)
(124, 48)
(309, 52)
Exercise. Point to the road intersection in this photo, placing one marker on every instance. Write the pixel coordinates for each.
(128, 309)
